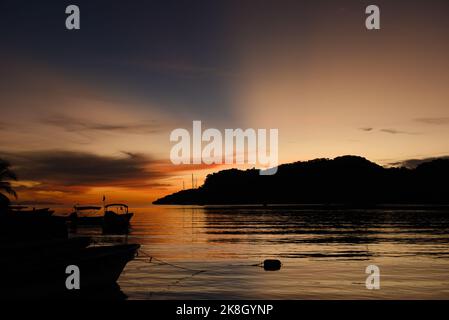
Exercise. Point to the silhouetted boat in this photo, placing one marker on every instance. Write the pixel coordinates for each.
(118, 220)
(19, 209)
(115, 217)
(87, 215)
(44, 275)
(36, 250)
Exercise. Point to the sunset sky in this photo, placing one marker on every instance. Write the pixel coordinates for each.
(89, 112)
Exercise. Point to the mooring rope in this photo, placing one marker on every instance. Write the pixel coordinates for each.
(168, 263)
(260, 264)
(193, 272)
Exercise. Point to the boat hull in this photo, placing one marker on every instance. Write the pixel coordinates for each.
(100, 267)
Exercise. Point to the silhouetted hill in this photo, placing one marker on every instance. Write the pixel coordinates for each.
(349, 180)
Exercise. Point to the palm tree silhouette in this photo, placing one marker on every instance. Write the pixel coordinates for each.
(6, 175)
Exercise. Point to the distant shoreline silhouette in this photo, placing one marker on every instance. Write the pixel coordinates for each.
(345, 180)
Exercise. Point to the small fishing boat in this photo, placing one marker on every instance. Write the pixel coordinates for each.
(24, 210)
(114, 218)
(44, 275)
(36, 250)
(87, 215)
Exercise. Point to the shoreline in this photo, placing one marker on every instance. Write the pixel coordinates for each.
(317, 206)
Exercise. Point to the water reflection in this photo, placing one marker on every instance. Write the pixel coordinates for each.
(324, 253)
(341, 231)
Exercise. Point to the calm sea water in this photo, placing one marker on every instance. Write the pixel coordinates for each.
(201, 253)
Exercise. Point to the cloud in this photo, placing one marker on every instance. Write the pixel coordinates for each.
(56, 173)
(434, 121)
(413, 163)
(71, 170)
(72, 124)
(388, 130)
(394, 131)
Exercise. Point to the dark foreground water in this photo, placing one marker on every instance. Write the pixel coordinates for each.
(201, 253)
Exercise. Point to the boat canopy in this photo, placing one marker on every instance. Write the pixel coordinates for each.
(116, 205)
(87, 207)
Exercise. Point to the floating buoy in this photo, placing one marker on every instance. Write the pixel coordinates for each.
(272, 264)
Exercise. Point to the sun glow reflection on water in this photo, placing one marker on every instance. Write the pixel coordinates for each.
(324, 253)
